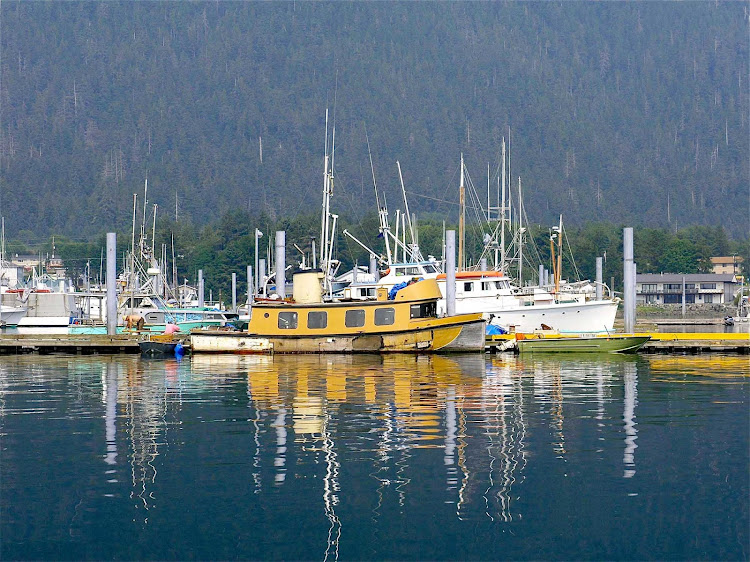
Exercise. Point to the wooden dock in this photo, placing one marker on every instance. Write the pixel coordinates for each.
(705, 342)
(64, 343)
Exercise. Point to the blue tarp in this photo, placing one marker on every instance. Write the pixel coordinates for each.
(396, 289)
(494, 330)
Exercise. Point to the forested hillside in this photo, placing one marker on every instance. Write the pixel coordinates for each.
(635, 113)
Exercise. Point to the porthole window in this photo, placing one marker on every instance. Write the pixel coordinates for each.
(317, 320)
(354, 318)
(385, 316)
(287, 320)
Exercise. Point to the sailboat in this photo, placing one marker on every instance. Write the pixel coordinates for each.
(144, 291)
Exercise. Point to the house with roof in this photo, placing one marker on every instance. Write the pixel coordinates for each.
(699, 288)
(726, 264)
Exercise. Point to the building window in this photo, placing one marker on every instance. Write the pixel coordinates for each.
(648, 288)
(672, 299)
(385, 316)
(354, 318)
(673, 286)
(650, 298)
(287, 320)
(708, 299)
(708, 285)
(317, 320)
(689, 286)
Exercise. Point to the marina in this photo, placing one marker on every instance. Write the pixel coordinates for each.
(510, 320)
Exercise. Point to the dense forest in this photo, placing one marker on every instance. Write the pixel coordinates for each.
(632, 113)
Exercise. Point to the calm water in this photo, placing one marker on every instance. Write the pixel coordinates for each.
(358, 458)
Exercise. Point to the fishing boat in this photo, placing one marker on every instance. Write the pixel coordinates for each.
(506, 304)
(614, 343)
(407, 322)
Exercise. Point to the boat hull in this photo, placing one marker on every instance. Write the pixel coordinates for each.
(11, 315)
(454, 335)
(612, 344)
(574, 317)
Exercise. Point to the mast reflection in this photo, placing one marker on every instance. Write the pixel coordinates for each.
(628, 416)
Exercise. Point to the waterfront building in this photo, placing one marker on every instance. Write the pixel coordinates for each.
(699, 288)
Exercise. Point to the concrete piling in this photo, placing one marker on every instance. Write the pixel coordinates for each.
(281, 263)
(201, 293)
(450, 272)
(111, 283)
(628, 280)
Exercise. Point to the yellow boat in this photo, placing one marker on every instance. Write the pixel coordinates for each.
(306, 324)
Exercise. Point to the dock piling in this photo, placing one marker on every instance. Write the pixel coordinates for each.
(201, 293)
(111, 283)
(450, 272)
(281, 263)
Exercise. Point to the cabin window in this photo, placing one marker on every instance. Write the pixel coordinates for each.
(317, 320)
(486, 285)
(287, 320)
(413, 271)
(424, 310)
(429, 269)
(399, 271)
(367, 292)
(468, 286)
(354, 318)
(385, 316)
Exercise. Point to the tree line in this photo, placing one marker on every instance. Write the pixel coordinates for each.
(227, 246)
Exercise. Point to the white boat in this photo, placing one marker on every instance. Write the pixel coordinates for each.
(503, 304)
(45, 310)
(11, 315)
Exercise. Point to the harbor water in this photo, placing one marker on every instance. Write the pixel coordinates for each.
(372, 458)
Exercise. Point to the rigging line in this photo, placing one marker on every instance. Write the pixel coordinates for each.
(453, 203)
(572, 257)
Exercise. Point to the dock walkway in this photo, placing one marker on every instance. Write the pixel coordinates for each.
(65, 343)
(706, 342)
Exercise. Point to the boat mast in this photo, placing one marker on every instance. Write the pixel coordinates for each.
(503, 216)
(559, 257)
(461, 219)
(132, 239)
(326, 203)
(521, 230)
(143, 223)
(153, 237)
(413, 246)
(382, 211)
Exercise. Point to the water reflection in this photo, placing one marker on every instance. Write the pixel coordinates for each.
(352, 444)
(628, 416)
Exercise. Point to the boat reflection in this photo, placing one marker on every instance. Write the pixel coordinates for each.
(322, 412)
